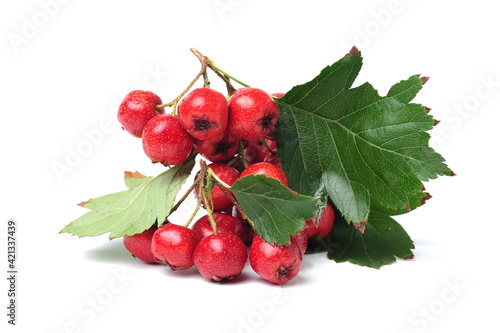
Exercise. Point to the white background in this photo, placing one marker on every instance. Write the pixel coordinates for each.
(67, 64)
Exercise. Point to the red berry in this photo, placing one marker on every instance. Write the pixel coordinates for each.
(220, 256)
(224, 223)
(220, 148)
(321, 225)
(268, 169)
(300, 238)
(252, 114)
(203, 113)
(278, 94)
(276, 264)
(140, 245)
(165, 140)
(228, 175)
(173, 245)
(136, 109)
(257, 151)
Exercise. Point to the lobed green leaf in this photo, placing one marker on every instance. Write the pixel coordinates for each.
(129, 212)
(352, 144)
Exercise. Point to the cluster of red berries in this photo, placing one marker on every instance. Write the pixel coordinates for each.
(224, 254)
(205, 121)
(235, 135)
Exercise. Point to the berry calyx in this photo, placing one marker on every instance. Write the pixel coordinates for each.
(173, 245)
(220, 256)
(136, 109)
(252, 114)
(165, 140)
(276, 264)
(139, 245)
(321, 225)
(203, 113)
(220, 148)
(268, 169)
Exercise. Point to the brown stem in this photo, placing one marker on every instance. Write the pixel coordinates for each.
(203, 72)
(206, 81)
(241, 153)
(205, 63)
(227, 81)
(264, 142)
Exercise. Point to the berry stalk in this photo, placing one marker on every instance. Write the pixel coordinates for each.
(206, 199)
(195, 211)
(225, 188)
(211, 63)
(205, 62)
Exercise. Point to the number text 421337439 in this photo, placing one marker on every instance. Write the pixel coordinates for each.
(11, 272)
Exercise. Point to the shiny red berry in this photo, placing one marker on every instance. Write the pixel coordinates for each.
(252, 114)
(220, 256)
(173, 245)
(165, 140)
(268, 169)
(139, 245)
(276, 264)
(203, 113)
(136, 109)
(224, 223)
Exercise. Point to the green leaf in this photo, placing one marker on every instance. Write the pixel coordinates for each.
(354, 145)
(381, 242)
(406, 90)
(135, 210)
(135, 179)
(132, 181)
(414, 201)
(275, 211)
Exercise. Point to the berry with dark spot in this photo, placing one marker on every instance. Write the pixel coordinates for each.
(220, 148)
(203, 113)
(253, 114)
(276, 264)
